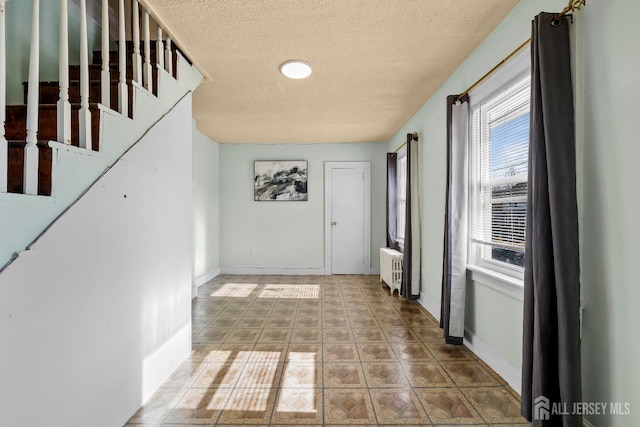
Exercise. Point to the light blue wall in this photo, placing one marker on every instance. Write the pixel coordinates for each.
(609, 153)
(206, 204)
(288, 234)
(18, 16)
(607, 85)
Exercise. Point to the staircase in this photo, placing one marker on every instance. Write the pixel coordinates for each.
(58, 143)
(16, 118)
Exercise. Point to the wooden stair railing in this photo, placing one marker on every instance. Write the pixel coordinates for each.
(49, 94)
(16, 116)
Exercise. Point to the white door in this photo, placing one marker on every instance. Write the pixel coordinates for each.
(348, 218)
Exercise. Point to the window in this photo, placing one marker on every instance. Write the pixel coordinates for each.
(498, 174)
(401, 205)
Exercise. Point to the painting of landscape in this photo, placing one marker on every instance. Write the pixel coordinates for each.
(280, 180)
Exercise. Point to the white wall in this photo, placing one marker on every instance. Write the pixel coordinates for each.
(607, 85)
(257, 236)
(97, 314)
(206, 207)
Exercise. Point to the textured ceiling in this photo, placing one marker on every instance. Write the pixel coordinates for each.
(375, 62)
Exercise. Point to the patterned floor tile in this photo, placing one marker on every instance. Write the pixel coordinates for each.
(398, 406)
(213, 335)
(307, 322)
(469, 373)
(218, 375)
(303, 352)
(302, 374)
(223, 322)
(369, 335)
(427, 335)
(427, 374)
(184, 376)
(232, 352)
(260, 375)
(199, 406)
(348, 407)
(399, 334)
(336, 322)
(273, 335)
(158, 407)
(376, 352)
(343, 375)
(279, 322)
(243, 336)
(306, 335)
(251, 322)
(495, 404)
(203, 352)
(336, 335)
(323, 350)
(445, 352)
(247, 406)
(363, 321)
(411, 351)
(298, 406)
(340, 352)
(448, 406)
(268, 352)
(385, 375)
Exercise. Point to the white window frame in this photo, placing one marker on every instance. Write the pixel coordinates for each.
(491, 272)
(401, 196)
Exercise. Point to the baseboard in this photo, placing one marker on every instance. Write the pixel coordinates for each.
(280, 271)
(431, 306)
(201, 280)
(501, 365)
(163, 361)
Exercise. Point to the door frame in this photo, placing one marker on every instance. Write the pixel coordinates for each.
(366, 167)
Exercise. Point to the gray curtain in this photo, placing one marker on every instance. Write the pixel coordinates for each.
(410, 288)
(392, 168)
(454, 274)
(551, 335)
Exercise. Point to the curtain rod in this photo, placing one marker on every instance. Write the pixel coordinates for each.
(573, 6)
(410, 137)
(491, 71)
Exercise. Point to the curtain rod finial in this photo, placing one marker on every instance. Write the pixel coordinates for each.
(414, 136)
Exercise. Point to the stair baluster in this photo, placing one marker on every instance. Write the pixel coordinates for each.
(106, 75)
(159, 49)
(4, 146)
(123, 92)
(137, 59)
(147, 51)
(64, 107)
(168, 60)
(84, 119)
(31, 158)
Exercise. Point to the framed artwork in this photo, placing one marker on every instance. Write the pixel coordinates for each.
(280, 180)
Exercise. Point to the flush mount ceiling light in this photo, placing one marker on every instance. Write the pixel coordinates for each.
(296, 69)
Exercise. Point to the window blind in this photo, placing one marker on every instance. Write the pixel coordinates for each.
(500, 138)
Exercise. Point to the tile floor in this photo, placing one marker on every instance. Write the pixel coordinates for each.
(323, 350)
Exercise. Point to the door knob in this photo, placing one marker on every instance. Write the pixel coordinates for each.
(334, 223)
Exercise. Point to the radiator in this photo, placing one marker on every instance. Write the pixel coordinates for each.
(391, 268)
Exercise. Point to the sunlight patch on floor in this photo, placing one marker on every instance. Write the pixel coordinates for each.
(290, 291)
(235, 290)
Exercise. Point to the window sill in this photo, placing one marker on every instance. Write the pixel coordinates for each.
(500, 282)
